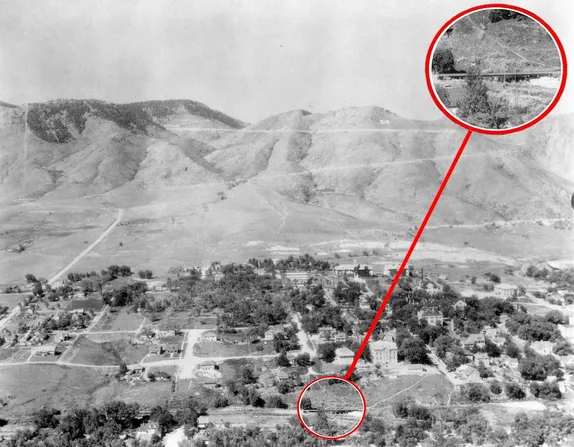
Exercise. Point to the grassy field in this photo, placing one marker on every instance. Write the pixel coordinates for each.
(88, 352)
(429, 389)
(146, 394)
(218, 349)
(53, 386)
(53, 234)
(12, 299)
(122, 320)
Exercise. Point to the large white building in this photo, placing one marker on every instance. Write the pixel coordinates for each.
(385, 352)
(505, 291)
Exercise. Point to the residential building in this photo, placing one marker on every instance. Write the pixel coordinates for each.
(473, 339)
(155, 349)
(147, 431)
(339, 337)
(218, 276)
(208, 366)
(270, 333)
(209, 336)
(384, 352)
(47, 350)
(363, 271)
(459, 305)
(298, 277)
(506, 291)
(344, 356)
(282, 376)
(344, 270)
(325, 332)
(481, 357)
(542, 347)
(171, 348)
(432, 316)
(567, 331)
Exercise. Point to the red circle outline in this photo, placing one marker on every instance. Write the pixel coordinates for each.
(467, 126)
(331, 438)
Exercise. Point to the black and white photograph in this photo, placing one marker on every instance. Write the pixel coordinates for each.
(244, 223)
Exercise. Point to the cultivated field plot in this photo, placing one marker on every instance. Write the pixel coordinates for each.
(53, 386)
(218, 349)
(119, 320)
(88, 352)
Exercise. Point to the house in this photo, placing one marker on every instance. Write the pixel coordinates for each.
(459, 305)
(506, 291)
(340, 337)
(432, 316)
(62, 336)
(259, 272)
(147, 431)
(47, 350)
(155, 349)
(298, 277)
(384, 352)
(271, 332)
(282, 376)
(542, 347)
(433, 289)
(481, 357)
(363, 271)
(468, 373)
(209, 336)
(344, 356)
(363, 366)
(325, 332)
(171, 348)
(168, 329)
(218, 276)
(567, 331)
(208, 366)
(212, 383)
(344, 270)
(512, 363)
(473, 339)
(416, 368)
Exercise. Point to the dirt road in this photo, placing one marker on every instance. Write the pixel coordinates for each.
(90, 248)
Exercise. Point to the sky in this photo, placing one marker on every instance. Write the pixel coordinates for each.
(248, 58)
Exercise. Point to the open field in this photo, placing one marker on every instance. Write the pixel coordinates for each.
(119, 320)
(53, 233)
(146, 394)
(88, 352)
(12, 299)
(428, 389)
(53, 386)
(218, 349)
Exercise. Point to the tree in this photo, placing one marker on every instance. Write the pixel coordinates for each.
(556, 317)
(443, 61)
(46, 418)
(414, 351)
(282, 360)
(284, 387)
(563, 347)
(275, 401)
(514, 391)
(475, 106)
(303, 359)
(548, 391)
(495, 387)
(37, 290)
(491, 349)
(327, 352)
(247, 375)
(30, 278)
(306, 403)
(477, 393)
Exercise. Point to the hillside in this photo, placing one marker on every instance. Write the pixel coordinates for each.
(514, 45)
(194, 188)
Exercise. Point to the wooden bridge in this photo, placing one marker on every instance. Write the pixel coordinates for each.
(503, 77)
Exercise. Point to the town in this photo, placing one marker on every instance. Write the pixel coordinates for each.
(229, 346)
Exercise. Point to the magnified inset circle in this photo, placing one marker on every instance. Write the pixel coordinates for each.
(496, 69)
(331, 407)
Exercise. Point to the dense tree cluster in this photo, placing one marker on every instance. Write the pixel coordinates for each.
(532, 328)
